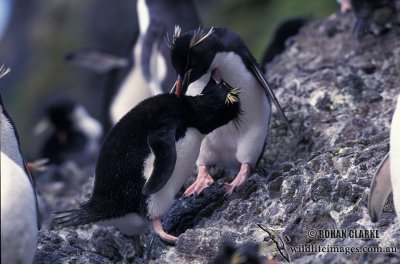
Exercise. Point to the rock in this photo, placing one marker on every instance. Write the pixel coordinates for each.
(339, 94)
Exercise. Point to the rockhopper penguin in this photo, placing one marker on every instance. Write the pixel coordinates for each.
(75, 136)
(387, 178)
(194, 55)
(19, 208)
(148, 155)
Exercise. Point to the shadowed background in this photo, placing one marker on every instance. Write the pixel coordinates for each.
(39, 33)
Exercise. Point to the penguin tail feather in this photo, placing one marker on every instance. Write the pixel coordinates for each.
(74, 217)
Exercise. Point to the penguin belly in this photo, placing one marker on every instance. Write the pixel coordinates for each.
(187, 150)
(18, 214)
(395, 157)
(230, 145)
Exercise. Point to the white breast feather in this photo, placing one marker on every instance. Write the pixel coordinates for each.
(18, 214)
(395, 157)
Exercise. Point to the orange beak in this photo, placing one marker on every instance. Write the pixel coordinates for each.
(178, 86)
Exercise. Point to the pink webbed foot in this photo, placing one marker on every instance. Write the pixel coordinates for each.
(203, 181)
(163, 235)
(239, 180)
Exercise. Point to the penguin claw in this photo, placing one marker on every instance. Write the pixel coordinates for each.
(203, 181)
(198, 186)
(239, 180)
(229, 189)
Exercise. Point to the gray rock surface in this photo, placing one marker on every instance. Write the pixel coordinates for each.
(340, 95)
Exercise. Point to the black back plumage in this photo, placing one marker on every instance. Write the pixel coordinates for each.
(119, 183)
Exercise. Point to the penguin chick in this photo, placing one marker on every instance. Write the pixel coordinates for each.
(387, 178)
(76, 135)
(19, 209)
(147, 156)
(194, 55)
(379, 12)
(286, 30)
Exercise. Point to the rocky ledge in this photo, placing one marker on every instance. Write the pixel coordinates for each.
(339, 94)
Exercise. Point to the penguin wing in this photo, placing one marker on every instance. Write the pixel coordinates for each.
(96, 60)
(162, 145)
(261, 78)
(381, 187)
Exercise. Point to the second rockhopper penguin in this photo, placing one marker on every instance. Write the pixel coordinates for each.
(148, 155)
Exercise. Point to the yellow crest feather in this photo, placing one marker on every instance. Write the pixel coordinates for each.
(4, 71)
(200, 36)
(177, 33)
(233, 96)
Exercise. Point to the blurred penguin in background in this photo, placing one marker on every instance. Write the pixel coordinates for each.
(75, 134)
(147, 71)
(283, 33)
(247, 253)
(19, 207)
(377, 14)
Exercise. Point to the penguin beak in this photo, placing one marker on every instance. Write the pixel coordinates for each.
(182, 85)
(178, 86)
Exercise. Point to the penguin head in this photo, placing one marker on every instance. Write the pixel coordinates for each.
(60, 113)
(191, 55)
(220, 92)
(217, 105)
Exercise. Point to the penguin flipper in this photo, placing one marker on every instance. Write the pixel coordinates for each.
(381, 187)
(97, 60)
(162, 144)
(261, 78)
